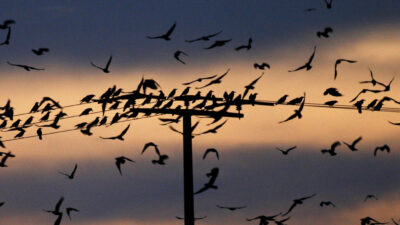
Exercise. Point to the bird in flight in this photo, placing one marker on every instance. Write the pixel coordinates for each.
(264, 219)
(177, 54)
(165, 36)
(120, 136)
(161, 158)
(72, 174)
(327, 203)
(325, 33)
(370, 197)
(6, 24)
(247, 47)
(121, 160)
(69, 210)
(5, 155)
(285, 152)
(230, 208)
(25, 67)
(251, 85)
(215, 81)
(296, 202)
(297, 112)
(261, 66)
(306, 66)
(382, 148)
(213, 130)
(105, 69)
(352, 146)
(370, 221)
(331, 151)
(372, 81)
(204, 38)
(200, 79)
(7, 41)
(218, 43)
(338, 61)
(328, 4)
(332, 91)
(213, 174)
(211, 150)
(56, 211)
(40, 51)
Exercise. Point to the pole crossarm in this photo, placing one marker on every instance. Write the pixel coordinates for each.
(191, 112)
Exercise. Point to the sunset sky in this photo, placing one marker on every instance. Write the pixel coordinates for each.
(252, 171)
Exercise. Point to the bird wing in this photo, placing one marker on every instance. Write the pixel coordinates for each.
(312, 56)
(109, 62)
(300, 68)
(58, 205)
(58, 220)
(289, 118)
(213, 35)
(118, 164)
(175, 130)
(169, 32)
(290, 149)
(95, 65)
(290, 209)
(74, 170)
(357, 140)
(124, 131)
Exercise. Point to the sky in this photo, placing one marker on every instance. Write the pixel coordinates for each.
(252, 172)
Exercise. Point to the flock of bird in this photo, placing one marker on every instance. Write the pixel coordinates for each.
(135, 102)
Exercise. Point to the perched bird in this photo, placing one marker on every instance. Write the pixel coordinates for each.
(372, 104)
(25, 67)
(331, 151)
(39, 133)
(282, 100)
(86, 112)
(120, 136)
(359, 104)
(213, 174)
(105, 69)
(382, 148)
(165, 36)
(215, 81)
(325, 32)
(247, 47)
(338, 61)
(331, 103)
(297, 202)
(177, 54)
(327, 203)
(204, 38)
(285, 152)
(198, 80)
(306, 66)
(295, 101)
(121, 160)
(231, 208)
(87, 98)
(261, 66)
(7, 41)
(370, 197)
(40, 51)
(6, 24)
(72, 174)
(213, 150)
(218, 43)
(332, 91)
(297, 112)
(352, 146)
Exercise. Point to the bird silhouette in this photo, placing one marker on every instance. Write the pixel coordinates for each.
(1, 204)
(261, 66)
(177, 54)
(372, 81)
(213, 130)
(165, 36)
(325, 32)
(282, 100)
(161, 158)
(372, 104)
(121, 160)
(296, 202)
(86, 112)
(72, 174)
(5, 155)
(69, 210)
(333, 92)
(215, 81)
(370, 197)
(297, 112)
(209, 150)
(331, 103)
(326, 203)
(338, 61)
(6, 24)
(247, 47)
(105, 69)
(40, 51)
(264, 219)
(198, 80)
(230, 208)
(251, 85)
(56, 211)
(331, 151)
(359, 104)
(204, 38)
(218, 43)
(306, 66)
(25, 67)
(39, 133)
(281, 222)
(213, 174)
(382, 149)
(285, 152)
(7, 40)
(87, 98)
(2, 144)
(328, 4)
(119, 136)
(58, 220)
(352, 146)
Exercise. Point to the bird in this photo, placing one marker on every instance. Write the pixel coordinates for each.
(105, 69)
(282, 100)
(121, 160)
(56, 211)
(25, 67)
(251, 85)
(372, 81)
(285, 152)
(306, 66)
(230, 208)
(295, 101)
(296, 202)
(297, 112)
(368, 220)
(247, 47)
(177, 54)
(215, 81)
(261, 66)
(40, 51)
(204, 38)
(382, 148)
(7, 41)
(359, 104)
(120, 136)
(161, 158)
(213, 174)
(338, 61)
(370, 197)
(332, 91)
(325, 33)
(264, 219)
(39, 133)
(6, 24)
(58, 220)
(327, 203)
(6, 155)
(328, 4)
(218, 43)
(213, 130)
(165, 36)
(2, 144)
(1, 204)
(87, 98)
(352, 146)
(331, 151)
(86, 112)
(72, 174)
(198, 80)
(281, 222)
(331, 103)
(372, 104)
(209, 150)
(69, 210)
